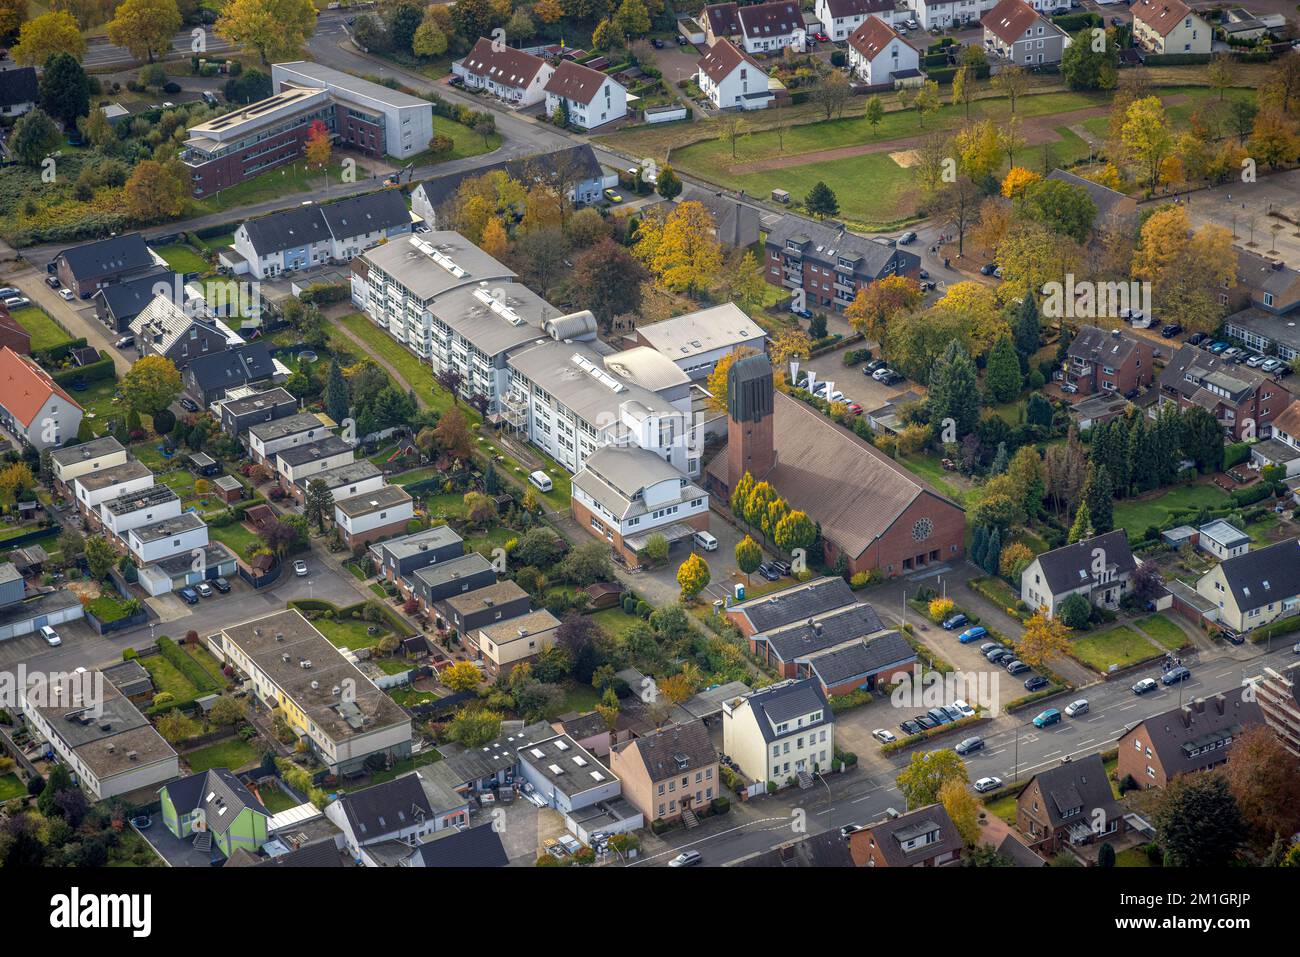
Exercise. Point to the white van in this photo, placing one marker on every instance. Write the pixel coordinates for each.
(541, 480)
(706, 541)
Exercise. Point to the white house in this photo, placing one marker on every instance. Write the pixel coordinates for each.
(92, 456)
(839, 18)
(513, 75)
(302, 462)
(153, 504)
(945, 13)
(267, 438)
(371, 516)
(781, 732)
(94, 488)
(566, 775)
(877, 54)
(399, 813)
(167, 537)
(1170, 26)
(587, 97)
(1017, 33)
(33, 407)
(355, 478)
(1222, 539)
(770, 27)
(695, 341)
(730, 77)
(1100, 569)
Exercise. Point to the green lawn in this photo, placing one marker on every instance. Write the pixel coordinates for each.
(167, 678)
(929, 468)
(415, 475)
(1163, 630)
(1135, 516)
(224, 241)
(275, 800)
(231, 754)
(11, 787)
(273, 184)
(1119, 646)
(350, 633)
(1004, 807)
(182, 259)
(580, 698)
(235, 537)
(45, 332)
(99, 400)
(1132, 857)
(613, 622)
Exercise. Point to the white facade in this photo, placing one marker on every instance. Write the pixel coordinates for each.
(90, 499)
(745, 87)
(514, 76)
(147, 544)
(838, 28)
(1191, 34)
(607, 105)
(802, 743)
(358, 526)
(66, 471)
(272, 264)
(304, 470)
(895, 57)
(663, 503)
(944, 13)
(120, 524)
(264, 451)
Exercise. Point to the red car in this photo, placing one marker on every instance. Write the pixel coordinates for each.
(821, 38)
(855, 408)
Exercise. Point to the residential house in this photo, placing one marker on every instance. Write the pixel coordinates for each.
(730, 77)
(1278, 696)
(771, 27)
(93, 488)
(477, 847)
(513, 75)
(1014, 32)
(669, 774)
(925, 837)
(1244, 400)
(1170, 26)
(239, 415)
(720, 22)
(358, 477)
(830, 264)
(215, 809)
(370, 516)
(34, 409)
(400, 557)
(948, 13)
(1100, 361)
(500, 601)
(565, 775)
(178, 334)
(779, 733)
(360, 222)
(166, 537)
(695, 341)
(1222, 539)
(73, 461)
(1070, 805)
(300, 463)
(405, 811)
(1099, 568)
(1265, 287)
(1255, 588)
(781, 646)
(432, 583)
(1194, 737)
(859, 665)
(188, 568)
(117, 305)
(18, 90)
(91, 266)
(736, 224)
(267, 438)
(209, 378)
(627, 495)
(500, 646)
(791, 604)
(878, 55)
(294, 668)
(1098, 409)
(134, 509)
(1283, 449)
(587, 98)
(839, 18)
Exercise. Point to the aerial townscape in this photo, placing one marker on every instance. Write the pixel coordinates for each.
(586, 434)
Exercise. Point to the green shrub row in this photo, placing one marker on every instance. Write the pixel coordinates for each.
(187, 666)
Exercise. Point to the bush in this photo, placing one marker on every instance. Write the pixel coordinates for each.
(1075, 612)
(721, 805)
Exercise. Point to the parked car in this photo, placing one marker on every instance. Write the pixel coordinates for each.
(189, 595)
(300, 568)
(879, 374)
(681, 40)
(221, 585)
(965, 710)
(956, 621)
(801, 313)
(1076, 708)
(51, 636)
(657, 43)
(1050, 716)
(686, 859)
(781, 566)
(1034, 682)
(1196, 338)
(1295, 649)
(973, 634)
(907, 238)
(1145, 685)
(125, 341)
(939, 716)
(1000, 655)
(1175, 675)
(849, 829)
(1270, 365)
(883, 736)
(1016, 667)
(969, 745)
(926, 722)
(821, 38)
(988, 646)
(1233, 637)
(892, 378)
(52, 282)
(990, 783)
(188, 404)
(1218, 347)
(1255, 360)
(873, 365)
(204, 589)
(768, 572)
(988, 268)
(910, 727)
(16, 302)
(1171, 330)
(613, 195)
(66, 295)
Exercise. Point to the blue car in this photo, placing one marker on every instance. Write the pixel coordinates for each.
(1050, 716)
(190, 596)
(1218, 347)
(973, 634)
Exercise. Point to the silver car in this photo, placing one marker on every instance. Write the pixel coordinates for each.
(1075, 708)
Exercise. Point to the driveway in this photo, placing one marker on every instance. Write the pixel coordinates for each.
(850, 380)
(78, 316)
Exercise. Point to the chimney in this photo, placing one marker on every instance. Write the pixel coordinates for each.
(1220, 703)
(1185, 712)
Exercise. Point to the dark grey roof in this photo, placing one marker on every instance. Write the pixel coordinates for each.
(736, 223)
(1205, 725)
(827, 242)
(91, 261)
(385, 808)
(18, 86)
(1104, 198)
(580, 160)
(366, 213)
(749, 389)
(862, 658)
(795, 603)
(1080, 785)
(1190, 370)
(250, 362)
(472, 764)
(781, 702)
(825, 849)
(675, 750)
(220, 794)
(323, 448)
(355, 471)
(1265, 575)
(462, 567)
(807, 637)
(298, 226)
(473, 847)
(128, 677)
(891, 832)
(324, 854)
(125, 300)
(1070, 566)
(1096, 345)
(259, 402)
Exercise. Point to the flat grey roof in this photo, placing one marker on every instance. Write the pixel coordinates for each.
(704, 330)
(317, 449)
(569, 766)
(351, 84)
(462, 567)
(494, 323)
(368, 502)
(87, 450)
(117, 739)
(434, 263)
(416, 542)
(94, 481)
(337, 477)
(255, 403)
(167, 527)
(289, 425)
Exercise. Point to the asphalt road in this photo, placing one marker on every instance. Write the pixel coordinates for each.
(101, 54)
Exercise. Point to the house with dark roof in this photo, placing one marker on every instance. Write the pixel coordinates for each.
(839, 18)
(513, 75)
(1254, 589)
(782, 733)
(670, 774)
(1109, 362)
(1115, 209)
(829, 263)
(798, 602)
(18, 90)
(1099, 568)
(1264, 283)
(178, 334)
(1015, 32)
(1194, 737)
(864, 664)
(209, 377)
(118, 304)
(587, 98)
(771, 27)
(464, 847)
(399, 558)
(1170, 26)
(214, 809)
(241, 414)
(1244, 400)
(720, 22)
(782, 647)
(925, 837)
(730, 77)
(324, 854)
(91, 266)
(1070, 805)
(878, 54)
(406, 809)
(824, 849)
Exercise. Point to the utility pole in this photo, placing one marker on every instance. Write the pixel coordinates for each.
(1015, 767)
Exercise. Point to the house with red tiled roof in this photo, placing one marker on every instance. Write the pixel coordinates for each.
(1014, 32)
(587, 97)
(730, 77)
(879, 55)
(34, 409)
(1170, 26)
(513, 75)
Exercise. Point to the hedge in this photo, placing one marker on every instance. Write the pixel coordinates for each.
(1176, 59)
(194, 673)
(944, 77)
(914, 739)
(95, 372)
(1235, 453)
(1074, 22)
(57, 353)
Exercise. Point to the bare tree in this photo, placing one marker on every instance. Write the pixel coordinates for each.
(1012, 81)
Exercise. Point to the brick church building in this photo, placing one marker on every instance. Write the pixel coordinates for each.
(873, 511)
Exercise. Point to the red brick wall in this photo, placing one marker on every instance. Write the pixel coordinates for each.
(897, 544)
(583, 516)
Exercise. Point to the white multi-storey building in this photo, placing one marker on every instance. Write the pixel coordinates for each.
(780, 732)
(167, 537)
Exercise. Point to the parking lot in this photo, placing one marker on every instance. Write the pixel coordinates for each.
(850, 380)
